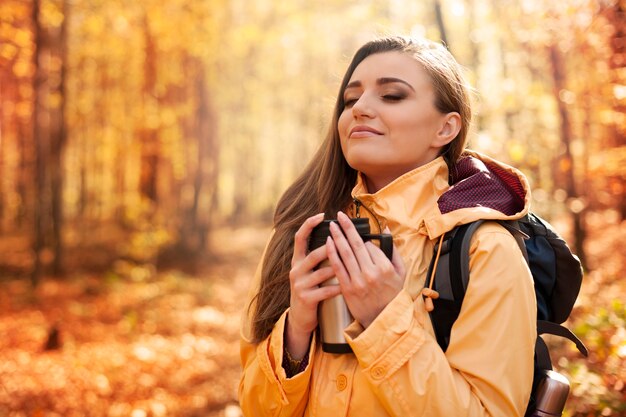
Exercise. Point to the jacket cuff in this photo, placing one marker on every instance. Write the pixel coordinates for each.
(391, 338)
(270, 354)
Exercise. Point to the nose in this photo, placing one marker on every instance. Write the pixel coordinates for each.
(362, 107)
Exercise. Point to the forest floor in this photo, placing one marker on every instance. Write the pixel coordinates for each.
(137, 342)
(129, 342)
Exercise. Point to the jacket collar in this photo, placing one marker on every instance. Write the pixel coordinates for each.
(423, 201)
(404, 203)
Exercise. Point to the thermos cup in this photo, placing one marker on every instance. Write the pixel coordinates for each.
(551, 395)
(333, 313)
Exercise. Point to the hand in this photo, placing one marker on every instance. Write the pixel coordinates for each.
(306, 293)
(368, 280)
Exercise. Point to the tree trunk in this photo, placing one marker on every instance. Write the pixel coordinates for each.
(58, 138)
(2, 154)
(567, 162)
(197, 217)
(203, 121)
(23, 133)
(440, 24)
(40, 146)
(148, 135)
(617, 18)
(208, 162)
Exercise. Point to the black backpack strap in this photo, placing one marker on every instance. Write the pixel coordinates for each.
(549, 327)
(514, 228)
(452, 275)
(459, 269)
(447, 308)
(451, 280)
(459, 258)
(542, 355)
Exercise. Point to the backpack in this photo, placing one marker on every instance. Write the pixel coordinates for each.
(557, 275)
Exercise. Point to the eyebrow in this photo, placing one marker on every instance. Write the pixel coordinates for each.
(380, 81)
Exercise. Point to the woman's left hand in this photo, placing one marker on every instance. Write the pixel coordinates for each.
(368, 279)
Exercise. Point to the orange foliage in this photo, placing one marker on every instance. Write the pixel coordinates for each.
(132, 342)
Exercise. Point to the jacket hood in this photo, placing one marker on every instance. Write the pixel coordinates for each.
(481, 183)
(438, 199)
(480, 188)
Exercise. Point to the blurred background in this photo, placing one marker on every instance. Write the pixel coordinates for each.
(143, 146)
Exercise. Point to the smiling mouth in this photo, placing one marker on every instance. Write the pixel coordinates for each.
(363, 132)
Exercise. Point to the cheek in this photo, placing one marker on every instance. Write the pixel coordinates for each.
(414, 129)
(343, 124)
(343, 142)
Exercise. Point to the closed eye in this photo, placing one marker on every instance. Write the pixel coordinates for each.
(393, 97)
(350, 102)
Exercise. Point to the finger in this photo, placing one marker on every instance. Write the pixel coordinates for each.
(306, 291)
(302, 271)
(320, 276)
(396, 259)
(376, 254)
(381, 266)
(302, 235)
(356, 242)
(305, 281)
(324, 293)
(309, 300)
(337, 265)
(344, 251)
(314, 258)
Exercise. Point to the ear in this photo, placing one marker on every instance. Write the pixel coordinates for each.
(449, 128)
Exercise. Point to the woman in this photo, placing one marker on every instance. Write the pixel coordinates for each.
(395, 149)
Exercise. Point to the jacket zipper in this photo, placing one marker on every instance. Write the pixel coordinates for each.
(358, 204)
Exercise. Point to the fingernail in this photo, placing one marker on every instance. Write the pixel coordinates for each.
(341, 214)
(334, 226)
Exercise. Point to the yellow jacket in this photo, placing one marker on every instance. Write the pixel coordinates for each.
(397, 368)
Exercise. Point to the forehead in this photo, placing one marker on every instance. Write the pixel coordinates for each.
(391, 64)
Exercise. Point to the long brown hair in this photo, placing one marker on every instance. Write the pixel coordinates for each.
(327, 181)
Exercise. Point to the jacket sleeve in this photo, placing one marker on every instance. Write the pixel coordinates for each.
(488, 367)
(264, 389)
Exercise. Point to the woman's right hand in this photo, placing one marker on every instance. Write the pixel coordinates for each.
(305, 290)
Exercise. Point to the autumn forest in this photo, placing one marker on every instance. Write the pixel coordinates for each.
(143, 147)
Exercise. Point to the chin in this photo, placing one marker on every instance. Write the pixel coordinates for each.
(368, 169)
(360, 164)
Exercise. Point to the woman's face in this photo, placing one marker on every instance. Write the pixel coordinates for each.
(390, 125)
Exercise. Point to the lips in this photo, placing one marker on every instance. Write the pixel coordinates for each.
(362, 131)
